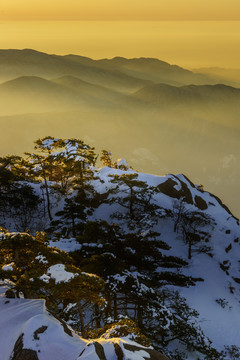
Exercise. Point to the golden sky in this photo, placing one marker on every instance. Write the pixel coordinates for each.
(190, 33)
(186, 43)
(120, 10)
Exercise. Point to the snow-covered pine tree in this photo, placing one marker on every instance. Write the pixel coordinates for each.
(136, 197)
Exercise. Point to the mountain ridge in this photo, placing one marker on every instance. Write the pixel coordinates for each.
(71, 64)
(109, 106)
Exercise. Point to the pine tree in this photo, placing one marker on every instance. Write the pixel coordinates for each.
(17, 197)
(67, 162)
(131, 266)
(81, 291)
(101, 248)
(28, 254)
(106, 158)
(143, 258)
(72, 217)
(193, 224)
(136, 197)
(31, 262)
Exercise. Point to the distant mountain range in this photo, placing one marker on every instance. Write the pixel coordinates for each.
(34, 93)
(221, 73)
(117, 72)
(161, 117)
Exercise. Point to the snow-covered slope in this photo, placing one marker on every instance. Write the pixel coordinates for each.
(29, 332)
(217, 298)
(213, 259)
(28, 322)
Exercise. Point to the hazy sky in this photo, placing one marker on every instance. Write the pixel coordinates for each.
(190, 33)
(120, 9)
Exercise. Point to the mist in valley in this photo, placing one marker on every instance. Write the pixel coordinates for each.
(160, 118)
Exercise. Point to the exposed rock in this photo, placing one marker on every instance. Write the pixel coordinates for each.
(200, 203)
(154, 354)
(118, 351)
(225, 267)
(168, 188)
(39, 331)
(23, 354)
(237, 280)
(228, 248)
(100, 351)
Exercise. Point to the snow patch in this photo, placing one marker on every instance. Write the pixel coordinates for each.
(58, 273)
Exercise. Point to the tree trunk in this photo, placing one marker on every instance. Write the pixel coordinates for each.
(131, 203)
(126, 303)
(139, 315)
(82, 326)
(97, 316)
(189, 248)
(16, 257)
(115, 307)
(109, 305)
(44, 205)
(175, 226)
(73, 226)
(48, 198)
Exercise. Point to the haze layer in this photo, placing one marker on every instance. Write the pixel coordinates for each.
(142, 109)
(187, 43)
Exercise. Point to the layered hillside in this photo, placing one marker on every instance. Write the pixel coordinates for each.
(146, 103)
